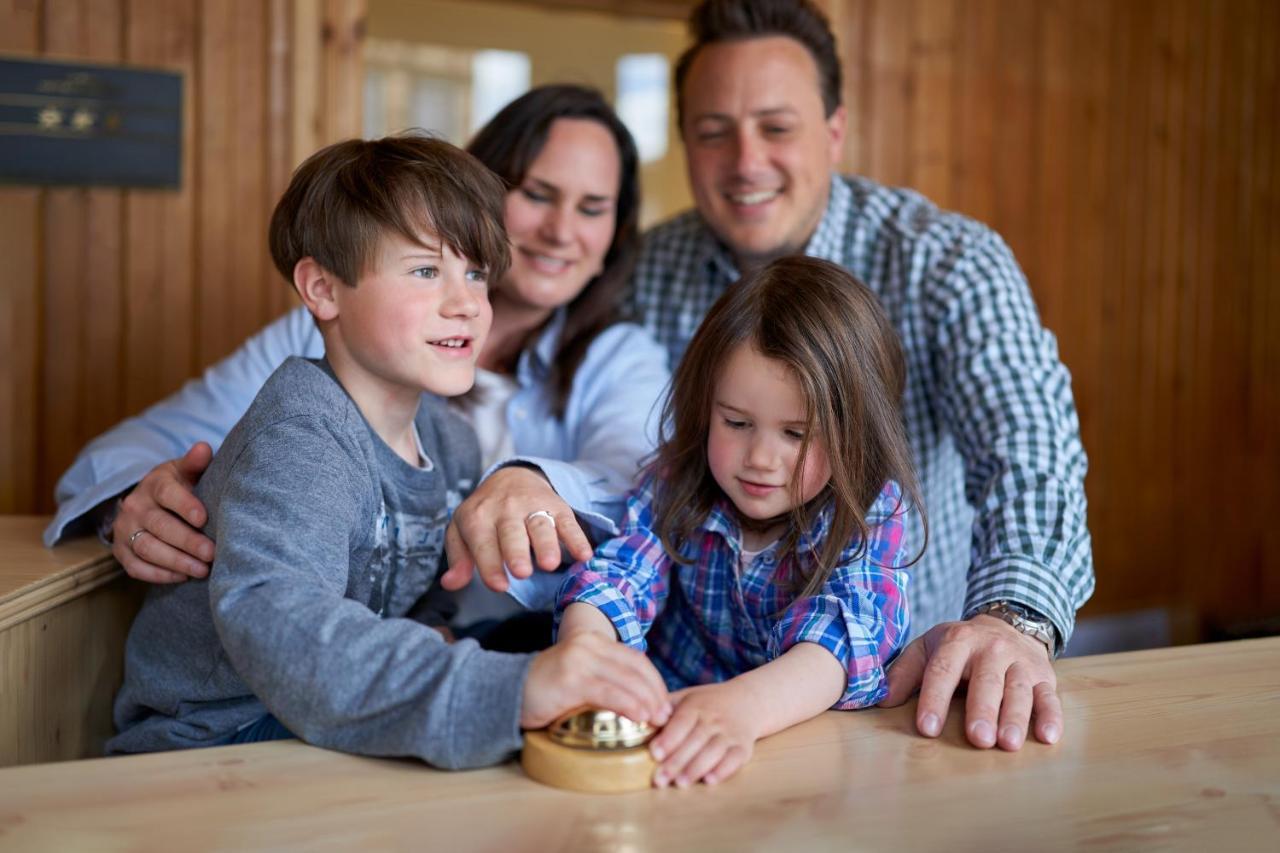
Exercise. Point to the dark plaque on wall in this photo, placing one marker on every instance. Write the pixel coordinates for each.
(81, 124)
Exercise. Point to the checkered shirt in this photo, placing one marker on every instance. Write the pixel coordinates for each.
(988, 406)
(714, 618)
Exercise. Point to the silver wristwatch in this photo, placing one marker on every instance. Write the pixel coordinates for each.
(1024, 619)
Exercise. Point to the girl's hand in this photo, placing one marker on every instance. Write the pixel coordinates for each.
(710, 736)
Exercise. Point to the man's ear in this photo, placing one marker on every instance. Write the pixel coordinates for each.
(837, 124)
(316, 287)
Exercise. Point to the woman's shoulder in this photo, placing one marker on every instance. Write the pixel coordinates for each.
(627, 341)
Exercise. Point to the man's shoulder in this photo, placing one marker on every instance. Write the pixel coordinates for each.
(679, 234)
(903, 214)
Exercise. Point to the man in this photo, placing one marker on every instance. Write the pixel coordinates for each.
(988, 406)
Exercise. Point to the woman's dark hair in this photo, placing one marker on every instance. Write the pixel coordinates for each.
(508, 145)
(834, 338)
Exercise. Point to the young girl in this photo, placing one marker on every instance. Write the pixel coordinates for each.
(763, 552)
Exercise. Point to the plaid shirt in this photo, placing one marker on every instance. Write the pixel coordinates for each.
(988, 407)
(714, 618)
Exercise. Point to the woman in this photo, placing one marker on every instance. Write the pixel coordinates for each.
(566, 395)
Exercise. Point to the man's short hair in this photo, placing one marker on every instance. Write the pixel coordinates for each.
(345, 198)
(736, 20)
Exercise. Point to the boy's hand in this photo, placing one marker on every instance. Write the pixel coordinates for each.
(170, 547)
(710, 736)
(494, 526)
(591, 670)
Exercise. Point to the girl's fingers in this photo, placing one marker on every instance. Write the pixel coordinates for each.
(734, 758)
(670, 738)
(674, 766)
(701, 763)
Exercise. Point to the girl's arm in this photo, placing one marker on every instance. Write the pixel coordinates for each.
(625, 583)
(826, 651)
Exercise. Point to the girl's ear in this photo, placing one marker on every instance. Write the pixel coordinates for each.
(316, 287)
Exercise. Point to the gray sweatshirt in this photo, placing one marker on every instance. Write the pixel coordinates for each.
(325, 539)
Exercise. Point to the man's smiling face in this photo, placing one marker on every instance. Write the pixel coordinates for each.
(760, 149)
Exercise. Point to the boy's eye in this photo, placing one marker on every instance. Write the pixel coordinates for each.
(425, 272)
(481, 276)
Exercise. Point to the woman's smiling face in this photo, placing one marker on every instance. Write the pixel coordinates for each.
(561, 216)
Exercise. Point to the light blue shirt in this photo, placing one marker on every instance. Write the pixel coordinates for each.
(590, 456)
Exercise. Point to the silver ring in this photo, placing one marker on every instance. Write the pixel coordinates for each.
(542, 513)
(134, 535)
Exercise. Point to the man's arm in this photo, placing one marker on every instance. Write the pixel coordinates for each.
(1006, 399)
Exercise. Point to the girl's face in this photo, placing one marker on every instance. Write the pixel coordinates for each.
(757, 426)
(561, 216)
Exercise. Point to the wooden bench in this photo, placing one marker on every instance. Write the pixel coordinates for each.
(64, 616)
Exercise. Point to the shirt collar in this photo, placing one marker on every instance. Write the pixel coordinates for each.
(723, 521)
(535, 362)
(824, 243)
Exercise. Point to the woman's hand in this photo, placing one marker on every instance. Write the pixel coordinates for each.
(710, 736)
(494, 526)
(156, 535)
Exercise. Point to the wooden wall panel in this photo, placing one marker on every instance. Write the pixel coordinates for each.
(1127, 153)
(111, 297)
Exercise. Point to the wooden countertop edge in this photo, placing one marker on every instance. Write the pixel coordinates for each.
(49, 592)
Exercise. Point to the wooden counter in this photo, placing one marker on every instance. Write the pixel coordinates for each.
(1176, 748)
(64, 614)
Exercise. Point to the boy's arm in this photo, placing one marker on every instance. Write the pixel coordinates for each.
(330, 669)
(204, 409)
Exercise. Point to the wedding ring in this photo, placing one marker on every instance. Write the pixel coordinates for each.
(542, 513)
(134, 535)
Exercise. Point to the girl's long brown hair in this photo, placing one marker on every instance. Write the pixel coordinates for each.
(834, 337)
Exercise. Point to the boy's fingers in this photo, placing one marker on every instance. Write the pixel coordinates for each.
(640, 669)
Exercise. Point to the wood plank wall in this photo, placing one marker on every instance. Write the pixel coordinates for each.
(1127, 151)
(111, 298)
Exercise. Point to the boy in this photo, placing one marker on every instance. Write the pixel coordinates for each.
(330, 498)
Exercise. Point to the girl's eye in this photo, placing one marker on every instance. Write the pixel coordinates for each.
(426, 272)
(732, 424)
(794, 434)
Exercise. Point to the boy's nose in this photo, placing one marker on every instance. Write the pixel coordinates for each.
(462, 300)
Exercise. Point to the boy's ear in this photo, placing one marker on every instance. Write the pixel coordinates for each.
(316, 287)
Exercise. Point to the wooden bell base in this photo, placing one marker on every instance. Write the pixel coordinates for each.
(595, 771)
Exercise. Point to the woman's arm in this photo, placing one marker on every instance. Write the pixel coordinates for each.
(205, 409)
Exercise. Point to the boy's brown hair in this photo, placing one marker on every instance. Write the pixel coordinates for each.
(847, 361)
(344, 198)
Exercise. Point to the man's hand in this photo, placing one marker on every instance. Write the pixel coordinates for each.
(588, 669)
(710, 737)
(1010, 676)
(492, 526)
(164, 507)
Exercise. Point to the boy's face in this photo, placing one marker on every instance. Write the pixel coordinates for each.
(417, 319)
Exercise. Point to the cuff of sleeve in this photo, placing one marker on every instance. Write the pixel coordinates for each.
(824, 623)
(71, 514)
(608, 600)
(1027, 583)
(501, 694)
